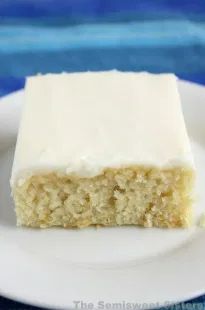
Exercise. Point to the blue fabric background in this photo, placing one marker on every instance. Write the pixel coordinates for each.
(76, 35)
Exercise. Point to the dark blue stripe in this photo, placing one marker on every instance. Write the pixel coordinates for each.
(198, 78)
(39, 8)
(10, 84)
(180, 60)
(109, 17)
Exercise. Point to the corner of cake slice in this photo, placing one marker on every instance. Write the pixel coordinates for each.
(102, 148)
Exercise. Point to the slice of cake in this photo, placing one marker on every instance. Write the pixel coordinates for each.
(102, 148)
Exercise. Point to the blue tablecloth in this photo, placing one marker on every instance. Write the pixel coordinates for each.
(77, 35)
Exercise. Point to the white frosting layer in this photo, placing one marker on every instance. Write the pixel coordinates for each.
(81, 123)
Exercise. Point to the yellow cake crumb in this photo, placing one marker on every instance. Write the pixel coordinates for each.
(127, 196)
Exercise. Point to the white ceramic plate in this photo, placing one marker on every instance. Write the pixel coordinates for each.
(147, 267)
